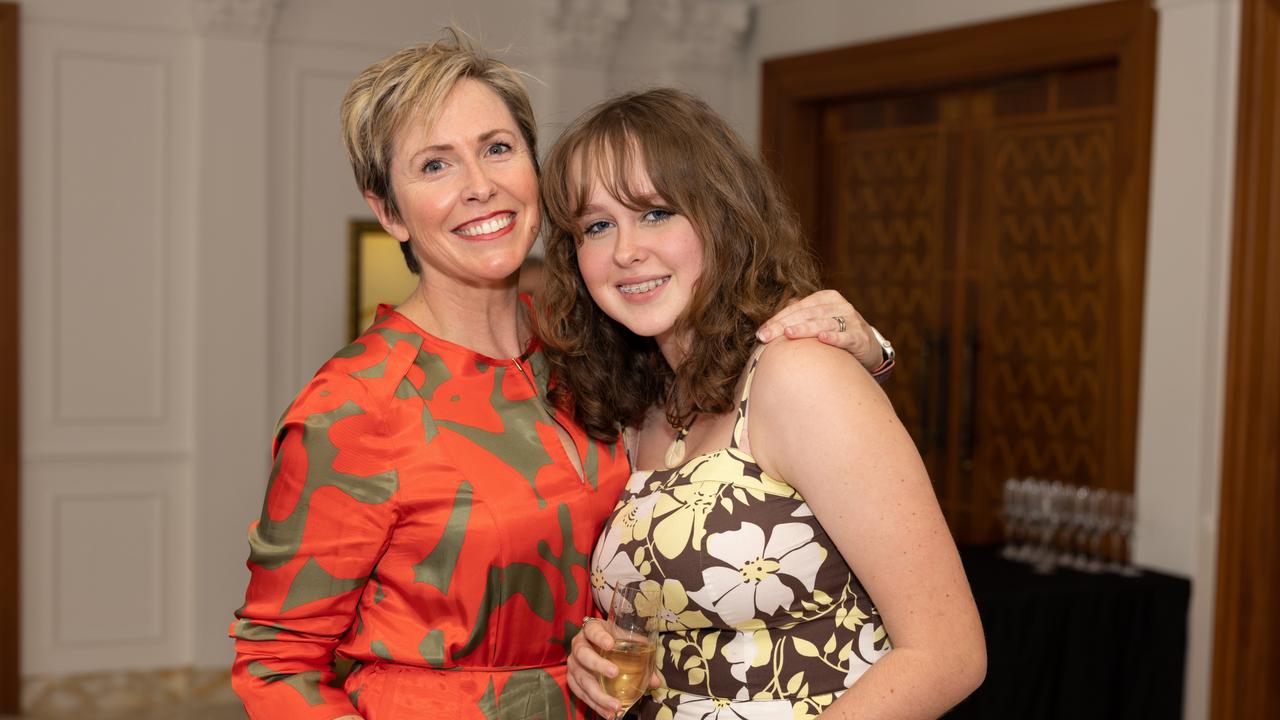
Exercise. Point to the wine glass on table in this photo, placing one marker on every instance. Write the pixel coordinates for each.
(1122, 526)
(1011, 517)
(634, 627)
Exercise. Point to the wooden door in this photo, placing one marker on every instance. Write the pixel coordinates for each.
(980, 194)
(1246, 651)
(1040, 364)
(9, 415)
(891, 217)
(976, 226)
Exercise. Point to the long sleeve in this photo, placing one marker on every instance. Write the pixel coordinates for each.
(327, 517)
(424, 519)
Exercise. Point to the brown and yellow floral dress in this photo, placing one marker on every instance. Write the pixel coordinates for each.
(762, 617)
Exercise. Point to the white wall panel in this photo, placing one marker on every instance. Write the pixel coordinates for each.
(107, 312)
(110, 195)
(104, 583)
(232, 419)
(110, 590)
(1179, 458)
(132, 15)
(328, 201)
(316, 199)
(106, 241)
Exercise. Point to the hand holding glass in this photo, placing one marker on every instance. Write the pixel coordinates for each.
(635, 637)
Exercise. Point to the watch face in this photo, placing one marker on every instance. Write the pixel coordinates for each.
(888, 349)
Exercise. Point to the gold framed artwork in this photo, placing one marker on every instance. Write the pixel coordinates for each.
(378, 274)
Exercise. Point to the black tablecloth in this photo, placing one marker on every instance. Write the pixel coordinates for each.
(1077, 645)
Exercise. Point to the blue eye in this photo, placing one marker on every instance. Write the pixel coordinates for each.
(432, 166)
(595, 228)
(657, 215)
(500, 148)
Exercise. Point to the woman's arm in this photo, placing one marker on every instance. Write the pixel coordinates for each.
(822, 425)
(325, 520)
(815, 316)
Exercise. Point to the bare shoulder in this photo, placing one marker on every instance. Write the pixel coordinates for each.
(806, 395)
(809, 371)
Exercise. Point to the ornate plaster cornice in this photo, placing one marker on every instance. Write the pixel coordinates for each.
(706, 32)
(584, 29)
(237, 17)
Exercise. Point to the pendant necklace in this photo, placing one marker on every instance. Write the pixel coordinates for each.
(675, 451)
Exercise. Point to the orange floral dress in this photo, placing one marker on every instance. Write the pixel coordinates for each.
(424, 519)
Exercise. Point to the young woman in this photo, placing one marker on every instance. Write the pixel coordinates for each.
(777, 508)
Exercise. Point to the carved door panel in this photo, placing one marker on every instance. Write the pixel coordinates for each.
(890, 210)
(1044, 279)
(975, 226)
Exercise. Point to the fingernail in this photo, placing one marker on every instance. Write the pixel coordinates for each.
(763, 335)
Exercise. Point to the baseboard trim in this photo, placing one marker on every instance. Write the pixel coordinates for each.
(125, 691)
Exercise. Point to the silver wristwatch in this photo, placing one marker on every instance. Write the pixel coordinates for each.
(884, 345)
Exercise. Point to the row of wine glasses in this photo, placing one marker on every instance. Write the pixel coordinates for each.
(1051, 524)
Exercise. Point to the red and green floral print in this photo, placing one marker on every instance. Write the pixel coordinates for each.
(423, 518)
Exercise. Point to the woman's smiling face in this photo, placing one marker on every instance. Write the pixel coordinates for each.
(466, 189)
(639, 264)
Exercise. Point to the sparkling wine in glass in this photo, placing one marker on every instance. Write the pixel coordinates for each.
(634, 627)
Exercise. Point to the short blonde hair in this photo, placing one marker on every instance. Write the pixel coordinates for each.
(416, 80)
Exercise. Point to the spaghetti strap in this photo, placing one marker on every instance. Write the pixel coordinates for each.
(740, 427)
(629, 444)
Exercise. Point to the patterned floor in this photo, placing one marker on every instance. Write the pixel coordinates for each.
(234, 712)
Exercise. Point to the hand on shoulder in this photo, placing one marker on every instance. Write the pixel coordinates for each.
(808, 397)
(795, 372)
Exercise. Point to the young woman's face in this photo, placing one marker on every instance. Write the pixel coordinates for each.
(466, 189)
(640, 266)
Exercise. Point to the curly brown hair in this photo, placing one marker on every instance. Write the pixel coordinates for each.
(754, 258)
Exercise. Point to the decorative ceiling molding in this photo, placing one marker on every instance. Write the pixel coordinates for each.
(586, 30)
(707, 33)
(237, 17)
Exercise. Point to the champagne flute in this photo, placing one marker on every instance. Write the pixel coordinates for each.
(1010, 515)
(1122, 526)
(634, 627)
